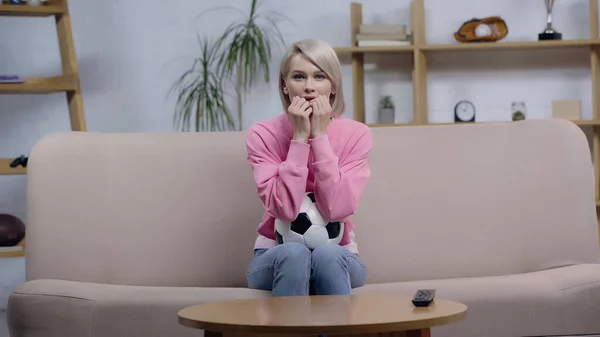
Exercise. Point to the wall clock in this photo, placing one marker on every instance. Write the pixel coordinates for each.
(464, 111)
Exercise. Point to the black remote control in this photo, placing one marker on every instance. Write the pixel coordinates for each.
(423, 297)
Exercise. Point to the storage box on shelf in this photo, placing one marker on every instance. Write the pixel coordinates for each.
(67, 82)
(420, 49)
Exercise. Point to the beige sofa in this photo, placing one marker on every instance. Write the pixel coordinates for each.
(126, 229)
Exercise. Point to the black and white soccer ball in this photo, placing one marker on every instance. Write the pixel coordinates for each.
(309, 228)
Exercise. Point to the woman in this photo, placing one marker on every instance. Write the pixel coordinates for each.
(308, 148)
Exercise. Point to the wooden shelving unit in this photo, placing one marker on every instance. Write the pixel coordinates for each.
(67, 83)
(31, 11)
(420, 49)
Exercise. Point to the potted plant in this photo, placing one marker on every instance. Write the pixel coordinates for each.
(518, 111)
(386, 110)
(201, 93)
(235, 60)
(518, 116)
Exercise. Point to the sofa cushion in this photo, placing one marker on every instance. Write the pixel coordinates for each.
(558, 301)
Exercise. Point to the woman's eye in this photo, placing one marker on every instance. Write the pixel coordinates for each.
(297, 76)
(320, 76)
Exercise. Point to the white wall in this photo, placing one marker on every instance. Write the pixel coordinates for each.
(130, 52)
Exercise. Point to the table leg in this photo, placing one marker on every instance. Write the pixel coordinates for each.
(411, 333)
(212, 334)
(419, 333)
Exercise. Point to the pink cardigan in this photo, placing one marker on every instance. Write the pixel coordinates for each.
(335, 167)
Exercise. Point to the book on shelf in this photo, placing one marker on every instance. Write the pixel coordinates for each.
(377, 28)
(372, 35)
(376, 43)
(11, 79)
(11, 249)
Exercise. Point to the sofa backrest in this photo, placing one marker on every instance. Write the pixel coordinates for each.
(180, 209)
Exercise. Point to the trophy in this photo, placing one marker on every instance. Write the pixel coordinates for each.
(549, 33)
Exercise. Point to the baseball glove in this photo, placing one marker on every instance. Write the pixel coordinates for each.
(489, 29)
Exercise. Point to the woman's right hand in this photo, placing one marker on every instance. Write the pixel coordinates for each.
(299, 115)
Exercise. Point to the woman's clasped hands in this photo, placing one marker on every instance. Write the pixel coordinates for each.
(310, 116)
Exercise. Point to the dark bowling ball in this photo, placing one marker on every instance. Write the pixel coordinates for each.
(12, 230)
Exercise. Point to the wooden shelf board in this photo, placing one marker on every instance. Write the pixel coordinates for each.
(40, 85)
(376, 125)
(586, 122)
(562, 44)
(374, 49)
(524, 45)
(578, 122)
(6, 169)
(24, 10)
(18, 252)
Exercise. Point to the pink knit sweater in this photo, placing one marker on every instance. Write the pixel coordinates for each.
(335, 167)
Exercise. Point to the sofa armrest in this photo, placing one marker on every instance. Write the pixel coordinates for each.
(43, 308)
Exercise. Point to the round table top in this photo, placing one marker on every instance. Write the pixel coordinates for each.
(321, 314)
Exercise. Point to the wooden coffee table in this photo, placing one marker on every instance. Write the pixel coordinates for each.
(313, 315)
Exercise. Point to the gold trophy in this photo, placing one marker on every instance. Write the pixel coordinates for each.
(549, 33)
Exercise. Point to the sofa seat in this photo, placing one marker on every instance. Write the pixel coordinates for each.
(557, 301)
(57, 308)
(554, 302)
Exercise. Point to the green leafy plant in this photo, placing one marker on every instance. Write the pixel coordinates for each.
(236, 60)
(201, 93)
(518, 116)
(386, 103)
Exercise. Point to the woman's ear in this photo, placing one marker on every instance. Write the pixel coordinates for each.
(284, 86)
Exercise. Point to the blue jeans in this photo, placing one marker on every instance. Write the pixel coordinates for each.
(291, 269)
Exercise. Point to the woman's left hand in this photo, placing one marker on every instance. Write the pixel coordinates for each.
(321, 116)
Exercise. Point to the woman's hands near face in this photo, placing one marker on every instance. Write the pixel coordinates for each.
(321, 116)
(299, 113)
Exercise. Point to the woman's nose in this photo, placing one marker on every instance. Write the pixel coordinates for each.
(308, 85)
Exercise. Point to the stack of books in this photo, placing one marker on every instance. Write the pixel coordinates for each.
(382, 35)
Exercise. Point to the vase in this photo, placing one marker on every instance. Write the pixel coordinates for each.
(386, 116)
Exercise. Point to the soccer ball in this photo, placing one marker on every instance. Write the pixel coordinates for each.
(309, 228)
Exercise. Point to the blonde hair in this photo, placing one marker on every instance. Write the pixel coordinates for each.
(322, 55)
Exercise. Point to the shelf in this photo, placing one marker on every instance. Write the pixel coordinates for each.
(524, 45)
(40, 85)
(586, 122)
(16, 251)
(577, 122)
(376, 125)
(423, 53)
(375, 49)
(6, 169)
(32, 11)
